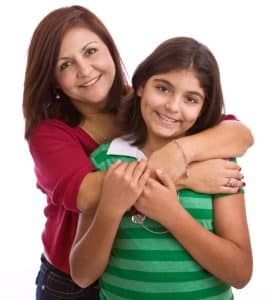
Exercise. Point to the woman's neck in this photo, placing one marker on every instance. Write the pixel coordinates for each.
(101, 126)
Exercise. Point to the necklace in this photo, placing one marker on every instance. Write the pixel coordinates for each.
(139, 219)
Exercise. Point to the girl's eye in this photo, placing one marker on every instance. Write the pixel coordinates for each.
(162, 89)
(64, 65)
(91, 51)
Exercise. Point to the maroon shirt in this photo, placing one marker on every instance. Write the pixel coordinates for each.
(61, 159)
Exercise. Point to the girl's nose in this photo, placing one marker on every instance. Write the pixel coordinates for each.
(173, 104)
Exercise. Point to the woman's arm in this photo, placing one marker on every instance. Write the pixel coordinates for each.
(225, 253)
(89, 192)
(211, 177)
(228, 139)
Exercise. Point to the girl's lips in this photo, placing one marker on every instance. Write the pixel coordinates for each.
(166, 118)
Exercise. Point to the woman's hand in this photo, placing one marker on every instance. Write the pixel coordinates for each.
(122, 185)
(212, 177)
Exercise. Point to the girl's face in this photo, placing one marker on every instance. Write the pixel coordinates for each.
(170, 104)
(85, 70)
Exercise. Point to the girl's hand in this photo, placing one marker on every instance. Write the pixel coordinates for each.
(170, 160)
(158, 198)
(122, 185)
(212, 176)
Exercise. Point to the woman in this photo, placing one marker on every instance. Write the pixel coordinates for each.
(74, 83)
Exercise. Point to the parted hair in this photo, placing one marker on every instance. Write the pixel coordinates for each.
(39, 102)
(179, 53)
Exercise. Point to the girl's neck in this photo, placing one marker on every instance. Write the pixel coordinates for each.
(152, 145)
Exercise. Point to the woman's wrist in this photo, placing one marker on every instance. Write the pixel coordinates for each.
(184, 144)
(184, 157)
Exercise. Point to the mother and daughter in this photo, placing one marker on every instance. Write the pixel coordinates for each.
(163, 216)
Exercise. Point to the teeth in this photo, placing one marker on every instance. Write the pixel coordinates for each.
(86, 84)
(168, 119)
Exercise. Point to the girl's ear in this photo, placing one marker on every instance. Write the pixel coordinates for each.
(140, 91)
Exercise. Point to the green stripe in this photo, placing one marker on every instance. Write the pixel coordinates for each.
(151, 291)
(227, 295)
(157, 275)
(148, 244)
(156, 255)
(165, 266)
(201, 213)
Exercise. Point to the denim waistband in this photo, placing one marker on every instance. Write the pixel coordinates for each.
(46, 266)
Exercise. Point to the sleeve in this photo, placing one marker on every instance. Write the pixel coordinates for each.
(102, 160)
(229, 118)
(60, 163)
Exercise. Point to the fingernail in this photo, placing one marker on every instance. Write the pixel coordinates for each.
(240, 169)
(244, 184)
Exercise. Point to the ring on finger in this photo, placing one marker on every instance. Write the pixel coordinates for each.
(229, 182)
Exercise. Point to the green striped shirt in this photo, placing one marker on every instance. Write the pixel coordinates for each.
(144, 265)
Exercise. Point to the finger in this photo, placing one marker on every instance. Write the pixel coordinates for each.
(233, 183)
(232, 165)
(130, 169)
(113, 166)
(139, 169)
(164, 179)
(234, 174)
(143, 179)
(230, 190)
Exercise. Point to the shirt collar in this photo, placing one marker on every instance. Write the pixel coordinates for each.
(122, 146)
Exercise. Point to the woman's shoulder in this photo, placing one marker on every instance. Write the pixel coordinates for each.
(50, 124)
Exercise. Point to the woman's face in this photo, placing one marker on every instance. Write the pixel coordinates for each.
(170, 104)
(85, 70)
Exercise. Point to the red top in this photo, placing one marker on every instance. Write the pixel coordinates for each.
(61, 158)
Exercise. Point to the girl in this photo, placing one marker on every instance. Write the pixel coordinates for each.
(172, 245)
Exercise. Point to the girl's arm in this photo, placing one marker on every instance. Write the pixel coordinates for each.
(228, 139)
(90, 252)
(225, 253)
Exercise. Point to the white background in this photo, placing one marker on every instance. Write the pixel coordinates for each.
(239, 33)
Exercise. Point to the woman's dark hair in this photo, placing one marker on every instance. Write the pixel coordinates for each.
(180, 53)
(39, 102)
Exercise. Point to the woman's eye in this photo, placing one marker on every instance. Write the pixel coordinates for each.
(192, 99)
(64, 65)
(91, 51)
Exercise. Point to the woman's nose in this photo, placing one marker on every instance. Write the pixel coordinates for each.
(84, 69)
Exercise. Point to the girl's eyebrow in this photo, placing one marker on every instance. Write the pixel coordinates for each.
(162, 81)
(82, 50)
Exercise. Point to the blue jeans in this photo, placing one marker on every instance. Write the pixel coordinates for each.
(53, 284)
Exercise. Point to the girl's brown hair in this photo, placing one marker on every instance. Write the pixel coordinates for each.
(39, 101)
(180, 53)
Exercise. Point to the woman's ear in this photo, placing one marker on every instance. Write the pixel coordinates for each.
(140, 91)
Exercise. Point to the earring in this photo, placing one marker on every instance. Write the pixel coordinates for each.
(56, 94)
